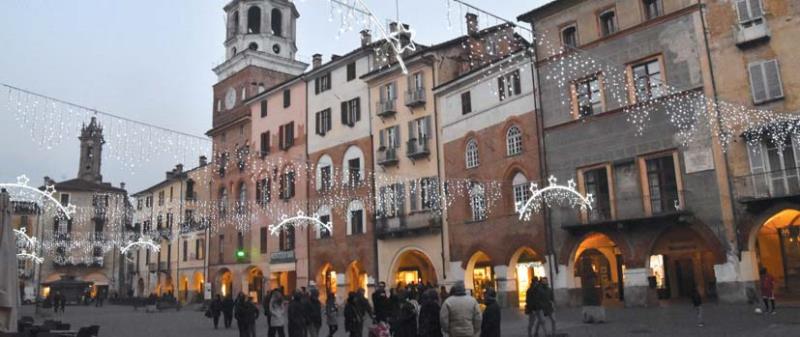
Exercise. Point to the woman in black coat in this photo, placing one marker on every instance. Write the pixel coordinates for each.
(297, 316)
(429, 325)
(406, 319)
(490, 325)
(353, 317)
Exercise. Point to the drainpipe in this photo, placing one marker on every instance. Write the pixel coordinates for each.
(444, 243)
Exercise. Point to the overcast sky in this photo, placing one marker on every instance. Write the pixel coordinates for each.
(151, 60)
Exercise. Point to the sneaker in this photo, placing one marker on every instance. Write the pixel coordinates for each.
(700, 325)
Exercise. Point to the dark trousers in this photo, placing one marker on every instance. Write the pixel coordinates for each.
(216, 321)
(228, 317)
(276, 331)
(332, 329)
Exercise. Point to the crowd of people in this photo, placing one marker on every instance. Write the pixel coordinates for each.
(414, 310)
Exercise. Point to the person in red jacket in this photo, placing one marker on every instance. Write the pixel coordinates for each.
(767, 291)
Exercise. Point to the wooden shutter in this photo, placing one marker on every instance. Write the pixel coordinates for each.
(345, 117)
(397, 137)
(280, 138)
(517, 84)
(743, 10)
(290, 132)
(316, 85)
(772, 75)
(428, 127)
(757, 82)
(501, 88)
(381, 139)
(264, 108)
(411, 128)
(328, 120)
(400, 199)
(357, 114)
(317, 122)
(757, 168)
(755, 9)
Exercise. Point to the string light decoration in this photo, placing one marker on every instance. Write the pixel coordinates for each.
(26, 246)
(553, 195)
(142, 242)
(300, 221)
(21, 190)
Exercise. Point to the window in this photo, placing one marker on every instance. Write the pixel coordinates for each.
(652, 9)
(324, 178)
(223, 202)
(287, 185)
(239, 240)
(472, 154)
(353, 166)
(351, 111)
(648, 80)
(199, 249)
(161, 198)
(569, 36)
(750, 12)
(185, 250)
(351, 71)
(595, 182)
(513, 141)
(391, 200)
(775, 168)
(277, 22)
(423, 194)
(264, 144)
(253, 46)
(353, 172)
(322, 121)
(139, 204)
(389, 138)
(286, 239)
(263, 108)
(148, 202)
(588, 96)
(765, 81)
(466, 103)
(417, 82)
(324, 232)
(65, 199)
(235, 27)
(262, 238)
(521, 189)
(477, 201)
(286, 132)
(287, 98)
(355, 218)
(662, 184)
(263, 191)
(322, 83)
(388, 92)
(241, 202)
(608, 22)
(509, 85)
(254, 20)
(419, 131)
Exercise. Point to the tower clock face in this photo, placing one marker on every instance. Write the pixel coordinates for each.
(230, 99)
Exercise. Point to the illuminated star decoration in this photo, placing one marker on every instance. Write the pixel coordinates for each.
(27, 246)
(553, 194)
(299, 221)
(23, 180)
(50, 190)
(142, 242)
(395, 40)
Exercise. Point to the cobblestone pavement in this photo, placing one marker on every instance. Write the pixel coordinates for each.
(674, 320)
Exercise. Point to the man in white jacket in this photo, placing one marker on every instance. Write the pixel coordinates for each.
(460, 315)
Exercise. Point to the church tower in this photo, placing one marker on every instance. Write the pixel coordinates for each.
(91, 152)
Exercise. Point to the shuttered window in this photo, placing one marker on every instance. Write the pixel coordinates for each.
(765, 81)
(749, 11)
(323, 122)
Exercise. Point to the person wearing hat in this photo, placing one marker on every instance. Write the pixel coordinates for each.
(490, 326)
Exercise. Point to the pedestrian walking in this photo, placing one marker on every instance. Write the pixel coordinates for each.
(546, 304)
(406, 319)
(246, 316)
(767, 291)
(697, 301)
(240, 315)
(429, 325)
(314, 312)
(215, 310)
(331, 314)
(381, 302)
(490, 324)
(277, 314)
(297, 316)
(363, 302)
(532, 308)
(54, 301)
(227, 311)
(460, 315)
(353, 317)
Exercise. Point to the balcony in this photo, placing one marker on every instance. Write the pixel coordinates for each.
(765, 186)
(163, 266)
(386, 108)
(751, 32)
(417, 148)
(387, 156)
(415, 97)
(667, 207)
(415, 224)
(284, 256)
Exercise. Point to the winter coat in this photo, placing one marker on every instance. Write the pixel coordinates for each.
(490, 325)
(227, 306)
(406, 320)
(277, 312)
(531, 300)
(216, 308)
(460, 316)
(331, 313)
(314, 312)
(429, 320)
(353, 317)
(297, 319)
(382, 306)
(246, 313)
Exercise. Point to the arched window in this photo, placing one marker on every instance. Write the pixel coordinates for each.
(356, 218)
(472, 154)
(324, 216)
(569, 36)
(223, 202)
(513, 141)
(477, 201)
(241, 202)
(254, 20)
(521, 190)
(277, 22)
(353, 166)
(324, 173)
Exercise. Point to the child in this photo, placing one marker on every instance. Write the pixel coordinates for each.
(767, 291)
(698, 306)
(331, 313)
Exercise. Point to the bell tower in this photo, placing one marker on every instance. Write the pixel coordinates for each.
(91, 152)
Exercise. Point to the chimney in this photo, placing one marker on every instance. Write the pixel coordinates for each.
(122, 185)
(392, 27)
(472, 23)
(170, 174)
(46, 180)
(366, 37)
(179, 168)
(334, 57)
(316, 60)
(203, 161)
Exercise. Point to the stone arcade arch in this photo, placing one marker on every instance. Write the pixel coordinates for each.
(412, 265)
(776, 243)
